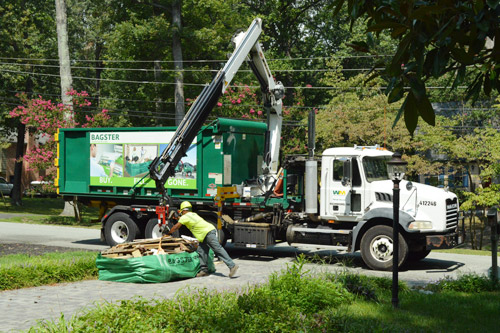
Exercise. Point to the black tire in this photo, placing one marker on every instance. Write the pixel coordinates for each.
(375, 248)
(418, 254)
(153, 231)
(120, 228)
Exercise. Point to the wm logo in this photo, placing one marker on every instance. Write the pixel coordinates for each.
(338, 192)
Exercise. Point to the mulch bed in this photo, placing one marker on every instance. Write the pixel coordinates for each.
(33, 249)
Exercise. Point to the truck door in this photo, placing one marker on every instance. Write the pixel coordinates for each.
(345, 193)
(339, 187)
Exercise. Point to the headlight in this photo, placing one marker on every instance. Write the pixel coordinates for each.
(420, 225)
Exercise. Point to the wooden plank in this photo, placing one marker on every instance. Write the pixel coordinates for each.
(140, 248)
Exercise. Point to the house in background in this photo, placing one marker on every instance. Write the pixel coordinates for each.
(8, 160)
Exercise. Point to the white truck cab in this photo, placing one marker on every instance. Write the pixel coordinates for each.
(356, 189)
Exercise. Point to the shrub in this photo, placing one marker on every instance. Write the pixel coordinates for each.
(469, 283)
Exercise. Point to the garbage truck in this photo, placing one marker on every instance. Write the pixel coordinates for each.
(234, 179)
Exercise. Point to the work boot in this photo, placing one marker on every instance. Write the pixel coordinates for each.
(202, 273)
(233, 270)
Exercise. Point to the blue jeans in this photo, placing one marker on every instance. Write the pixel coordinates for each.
(211, 242)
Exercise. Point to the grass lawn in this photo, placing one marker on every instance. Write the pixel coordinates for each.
(46, 211)
(440, 312)
(23, 271)
(40, 206)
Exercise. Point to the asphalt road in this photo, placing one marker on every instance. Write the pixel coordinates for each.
(24, 307)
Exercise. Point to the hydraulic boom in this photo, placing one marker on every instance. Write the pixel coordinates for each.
(247, 48)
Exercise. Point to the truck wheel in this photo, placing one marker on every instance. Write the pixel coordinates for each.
(120, 228)
(376, 248)
(152, 229)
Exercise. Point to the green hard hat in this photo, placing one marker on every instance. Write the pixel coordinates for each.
(186, 205)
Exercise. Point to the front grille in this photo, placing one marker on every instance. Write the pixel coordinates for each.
(451, 214)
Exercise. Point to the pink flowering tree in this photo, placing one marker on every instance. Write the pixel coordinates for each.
(43, 118)
(239, 101)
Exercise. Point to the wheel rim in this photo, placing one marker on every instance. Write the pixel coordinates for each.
(156, 232)
(119, 232)
(381, 248)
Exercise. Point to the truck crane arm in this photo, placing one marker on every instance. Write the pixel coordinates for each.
(246, 44)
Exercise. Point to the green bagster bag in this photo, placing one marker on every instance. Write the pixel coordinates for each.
(153, 268)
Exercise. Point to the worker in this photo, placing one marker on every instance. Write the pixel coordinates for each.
(206, 234)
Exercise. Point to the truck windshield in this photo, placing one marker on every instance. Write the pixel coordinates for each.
(376, 168)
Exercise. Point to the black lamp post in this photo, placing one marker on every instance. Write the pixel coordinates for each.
(396, 169)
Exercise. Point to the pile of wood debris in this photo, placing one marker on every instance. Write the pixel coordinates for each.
(147, 247)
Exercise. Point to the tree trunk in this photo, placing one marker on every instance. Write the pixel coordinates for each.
(16, 194)
(17, 191)
(66, 80)
(178, 66)
(64, 62)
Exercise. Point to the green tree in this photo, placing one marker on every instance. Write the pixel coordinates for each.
(434, 38)
(25, 33)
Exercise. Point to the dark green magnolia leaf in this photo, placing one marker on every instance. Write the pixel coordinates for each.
(440, 62)
(395, 67)
(400, 113)
(460, 37)
(461, 56)
(396, 94)
(459, 78)
(426, 111)
(417, 87)
(474, 89)
(411, 113)
(409, 67)
(496, 46)
(391, 85)
(429, 60)
(378, 27)
(426, 12)
(398, 32)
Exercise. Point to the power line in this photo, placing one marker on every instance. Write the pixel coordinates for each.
(166, 102)
(200, 60)
(204, 84)
(149, 70)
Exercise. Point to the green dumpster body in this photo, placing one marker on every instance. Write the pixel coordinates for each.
(224, 153)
